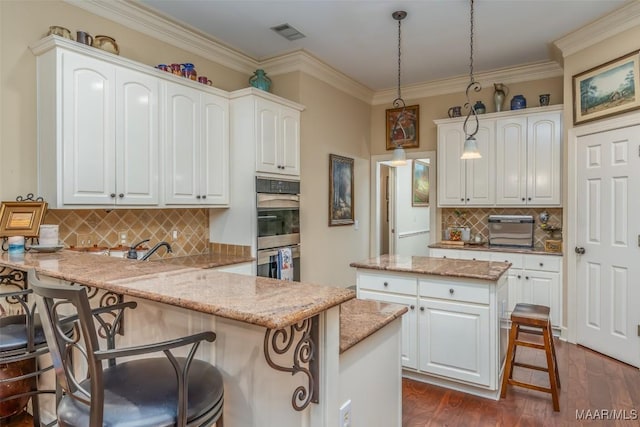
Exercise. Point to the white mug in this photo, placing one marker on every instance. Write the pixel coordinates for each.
(48, 234)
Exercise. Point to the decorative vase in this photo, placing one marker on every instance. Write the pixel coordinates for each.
(260, 80)
(479, 107)
(499, 95)
(518, 102)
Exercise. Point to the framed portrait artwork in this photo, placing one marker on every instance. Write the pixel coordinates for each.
(419, 183)
(340, 190)
(21, 218)
(403, 127)
(608, 89)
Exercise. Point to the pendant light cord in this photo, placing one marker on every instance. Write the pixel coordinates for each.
(399, 16)
(473, 85)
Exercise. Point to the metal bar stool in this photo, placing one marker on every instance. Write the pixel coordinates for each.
(535, 320)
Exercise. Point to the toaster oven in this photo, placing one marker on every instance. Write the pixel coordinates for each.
(511, 230)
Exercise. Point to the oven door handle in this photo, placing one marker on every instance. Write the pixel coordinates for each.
(265, 254)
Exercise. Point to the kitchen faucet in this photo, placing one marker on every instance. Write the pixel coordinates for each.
(132, 253)
(155, 248)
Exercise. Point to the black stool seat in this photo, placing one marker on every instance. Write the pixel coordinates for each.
(14, 336)
(137, 393)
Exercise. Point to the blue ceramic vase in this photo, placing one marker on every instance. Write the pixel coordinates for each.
(518, 102)
(479, 107)
(260, 80)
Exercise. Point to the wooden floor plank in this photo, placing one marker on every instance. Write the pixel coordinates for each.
(590, 382)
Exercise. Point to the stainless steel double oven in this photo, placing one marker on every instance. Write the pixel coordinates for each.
(278, 205)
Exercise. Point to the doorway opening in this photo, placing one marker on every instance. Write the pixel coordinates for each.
(403, 204)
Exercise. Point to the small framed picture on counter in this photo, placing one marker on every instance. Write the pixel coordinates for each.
(340, 190)
(21, 218)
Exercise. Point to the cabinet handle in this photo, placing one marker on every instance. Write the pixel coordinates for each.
(523, 199)
(198, 196)
(204, 196)
(421, 308)
(526, 277)
(386, 284)
(468, 199)
(462, 199)
(412, 307)
(519, 276)
(444, 256)
(473, 259)
(451, 291)
(121, 195)
(112, 195)
(529, 199)
(541, 264)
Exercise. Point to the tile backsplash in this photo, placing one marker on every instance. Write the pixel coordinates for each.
(104, 227)
(478, 219)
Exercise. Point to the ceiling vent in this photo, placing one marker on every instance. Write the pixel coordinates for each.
(288, 32)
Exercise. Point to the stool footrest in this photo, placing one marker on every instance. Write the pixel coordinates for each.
(530, 344)
(529, 386)
(528, 366)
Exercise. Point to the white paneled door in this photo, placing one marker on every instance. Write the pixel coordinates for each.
(608, 243)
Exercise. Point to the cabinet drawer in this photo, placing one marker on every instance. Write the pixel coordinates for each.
(514, 259)
(444, 253)
(469, 292)
(387, 283)
(475, 255)
(542, 262)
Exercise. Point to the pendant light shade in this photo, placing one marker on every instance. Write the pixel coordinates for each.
(399, 157)
(470, 150)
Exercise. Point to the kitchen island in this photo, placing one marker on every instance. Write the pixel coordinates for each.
(455, 332)
(264, 328)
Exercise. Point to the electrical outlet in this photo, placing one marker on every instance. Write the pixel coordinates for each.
(122, 237)
(84, 240)
(345, 414)
(174, 235)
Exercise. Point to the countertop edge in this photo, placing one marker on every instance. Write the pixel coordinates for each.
(489, 278)
(486, 248)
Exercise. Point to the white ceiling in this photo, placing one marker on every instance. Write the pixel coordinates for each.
(359, 37)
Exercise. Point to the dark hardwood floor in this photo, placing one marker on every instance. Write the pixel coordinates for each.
(590, 382)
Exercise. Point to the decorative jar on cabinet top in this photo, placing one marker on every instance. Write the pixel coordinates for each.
(260, 80)
(518, 102)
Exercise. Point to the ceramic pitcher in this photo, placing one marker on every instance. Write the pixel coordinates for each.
(499, 95)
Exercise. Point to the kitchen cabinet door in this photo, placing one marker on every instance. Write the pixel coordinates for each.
(136, 138)
(543, 288)
(278, 138)
(88, 139)
(182, 139)
(197, 147)
(480, 173)
(455, 340)
(409, 355)
(511, 161)
(544, 159)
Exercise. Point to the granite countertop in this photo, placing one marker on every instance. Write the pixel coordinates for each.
(484, 270)
(210, 260)
(260, 301)
(362, 318)
(536, 250)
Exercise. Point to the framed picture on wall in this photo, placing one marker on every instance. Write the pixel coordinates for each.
(403, 127)
(419, 183)
(608, 89)
(340, 190)
(21, 218)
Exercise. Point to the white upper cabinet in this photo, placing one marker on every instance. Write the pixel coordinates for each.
(520, 165)
(529, 160)
(278, 138)
(465, 182)
(197, 141)
(100, 133)
(102, 146)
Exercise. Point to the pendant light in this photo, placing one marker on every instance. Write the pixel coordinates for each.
(399, 155)
(470, 150)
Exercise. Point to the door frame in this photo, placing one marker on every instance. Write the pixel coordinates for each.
(374, 188)
(572, 211)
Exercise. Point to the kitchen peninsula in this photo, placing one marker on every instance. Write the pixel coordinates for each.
(264, 328)
(454, 334)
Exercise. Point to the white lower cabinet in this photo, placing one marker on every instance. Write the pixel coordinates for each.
(454, 340)
(451, 331)
(533, 279)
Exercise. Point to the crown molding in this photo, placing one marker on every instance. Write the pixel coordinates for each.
(138, 18)
(303, 61)
(618, 21)
(522, 73)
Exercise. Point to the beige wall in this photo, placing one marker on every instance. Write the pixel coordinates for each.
(332, 123)
(436, 107)
(24, 22)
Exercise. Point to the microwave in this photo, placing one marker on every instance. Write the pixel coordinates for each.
(511, 230)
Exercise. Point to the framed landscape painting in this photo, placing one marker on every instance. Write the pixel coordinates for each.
(420, 184)
(607, 89)
(340, 190)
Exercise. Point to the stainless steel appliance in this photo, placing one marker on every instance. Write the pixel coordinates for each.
(511, 230)
(278, 205)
